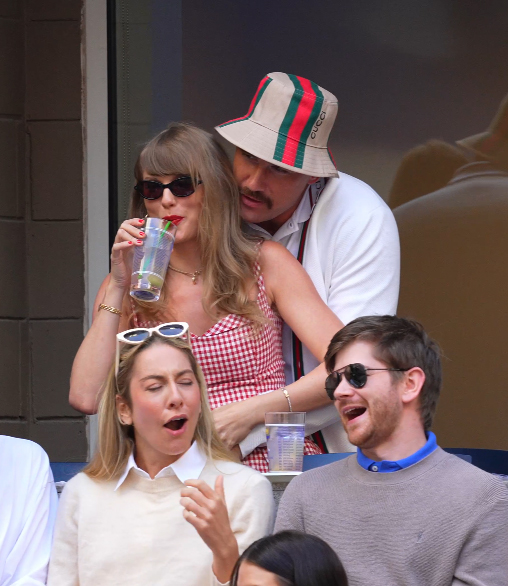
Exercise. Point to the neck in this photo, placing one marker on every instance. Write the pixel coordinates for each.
(153, 463)
(272, 225)
(186, 257)
(403, 442)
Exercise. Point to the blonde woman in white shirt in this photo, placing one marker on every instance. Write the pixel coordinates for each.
(161, 503)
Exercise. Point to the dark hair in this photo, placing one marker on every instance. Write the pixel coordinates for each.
(297, 559)
(398, 343)
(424, 169)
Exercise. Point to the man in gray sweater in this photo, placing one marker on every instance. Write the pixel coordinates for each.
(401, 512)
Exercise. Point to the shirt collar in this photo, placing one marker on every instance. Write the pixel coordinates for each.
(189, 465)
(393, 466)
(472, 170)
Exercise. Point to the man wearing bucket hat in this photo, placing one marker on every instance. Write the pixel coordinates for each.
(337, 226)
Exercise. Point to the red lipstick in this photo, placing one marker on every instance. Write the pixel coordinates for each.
(175, 219)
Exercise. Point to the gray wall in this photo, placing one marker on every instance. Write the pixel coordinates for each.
(41, 228)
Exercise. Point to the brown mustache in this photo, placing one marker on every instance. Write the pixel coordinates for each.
(258, 196)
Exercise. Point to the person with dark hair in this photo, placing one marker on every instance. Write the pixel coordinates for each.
(289, 558)
(402, 511)
(424, 169)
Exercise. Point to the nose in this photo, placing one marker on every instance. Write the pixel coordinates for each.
(344, 389)
(174, 398)
(168, 199)
(255, 179)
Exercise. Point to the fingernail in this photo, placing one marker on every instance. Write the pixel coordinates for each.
(140, 242)
(141, 221)
(141, 233)
(130, 242)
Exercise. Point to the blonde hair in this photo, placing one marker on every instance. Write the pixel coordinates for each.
(116, 440)
(227, 254)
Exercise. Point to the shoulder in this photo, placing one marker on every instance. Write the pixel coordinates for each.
(349, 201)
(82, 484)
(351, 193)
(277, 265)
(482, 486)
(23, 456)
(239, 478)
(457, 196)
(272, 252)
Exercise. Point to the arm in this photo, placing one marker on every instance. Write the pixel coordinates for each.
(483, 560)
(291, 290)
(28, 561)
(96, 353)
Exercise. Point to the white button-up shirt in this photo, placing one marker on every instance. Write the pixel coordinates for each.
(188, 466)
(28, 503)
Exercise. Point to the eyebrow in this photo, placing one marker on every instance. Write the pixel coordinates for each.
(162, 377)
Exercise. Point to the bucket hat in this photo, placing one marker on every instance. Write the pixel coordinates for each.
(493, 143)
(288, 124)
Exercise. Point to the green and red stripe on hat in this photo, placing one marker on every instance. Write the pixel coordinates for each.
(288, 123)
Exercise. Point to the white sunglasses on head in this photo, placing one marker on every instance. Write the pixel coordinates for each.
(137, 336)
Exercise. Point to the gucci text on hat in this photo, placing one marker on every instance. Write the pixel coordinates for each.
(288, 123)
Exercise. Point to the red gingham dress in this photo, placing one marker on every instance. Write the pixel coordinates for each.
(238, 365)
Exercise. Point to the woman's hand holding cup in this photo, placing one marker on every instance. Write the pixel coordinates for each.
(129, 235)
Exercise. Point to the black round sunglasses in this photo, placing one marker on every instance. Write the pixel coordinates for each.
(180, 187)
(355, 374)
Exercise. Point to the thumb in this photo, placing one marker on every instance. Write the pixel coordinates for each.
(219, 487)
(116, 256)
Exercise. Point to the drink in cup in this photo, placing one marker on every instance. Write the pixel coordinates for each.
(285, 436)
(151, 260)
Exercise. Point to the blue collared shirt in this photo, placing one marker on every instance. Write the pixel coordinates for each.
(388, 466)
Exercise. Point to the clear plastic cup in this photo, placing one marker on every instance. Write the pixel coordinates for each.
(285, 436)
(151, 260)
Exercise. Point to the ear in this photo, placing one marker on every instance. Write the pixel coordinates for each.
(313, 180)
(412, 384)
(123, 411)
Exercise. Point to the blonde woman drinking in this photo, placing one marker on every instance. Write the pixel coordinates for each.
(233, 291)
(161, 503)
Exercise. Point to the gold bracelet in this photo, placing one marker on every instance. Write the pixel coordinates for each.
(286, 394)
(109, 308)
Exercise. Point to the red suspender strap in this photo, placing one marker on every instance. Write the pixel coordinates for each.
(298, 368)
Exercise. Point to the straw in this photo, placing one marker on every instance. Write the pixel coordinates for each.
(149, 260)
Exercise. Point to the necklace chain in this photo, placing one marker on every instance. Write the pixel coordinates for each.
(193, 275)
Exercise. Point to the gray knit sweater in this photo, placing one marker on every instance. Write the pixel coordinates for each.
(440, 522)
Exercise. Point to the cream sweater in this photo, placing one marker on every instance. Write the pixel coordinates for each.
(137, 535)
